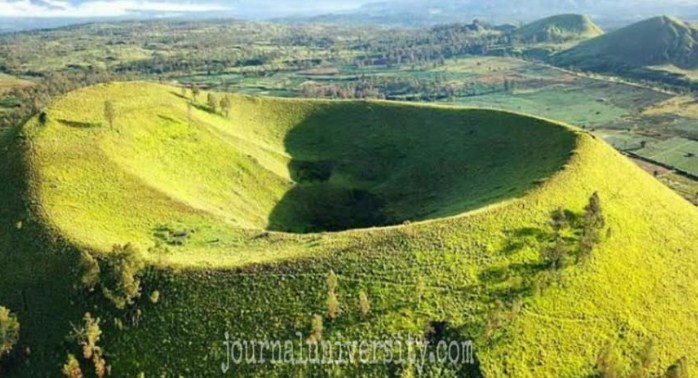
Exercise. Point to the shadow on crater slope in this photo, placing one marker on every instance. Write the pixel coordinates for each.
(359, 165)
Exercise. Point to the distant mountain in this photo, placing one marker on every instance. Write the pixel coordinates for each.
(415, 13)
(558, 28)
(656, 41)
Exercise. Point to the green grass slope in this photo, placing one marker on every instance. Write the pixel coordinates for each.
(559, 28)
(479, 187)
(656, 41)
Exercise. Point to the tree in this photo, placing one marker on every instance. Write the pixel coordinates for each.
(190, 111)
(43, 118)
(195, 91)
(109, 113)
(555, 254)
(678, 370)
(212, 103)
(119, 275)
(559, 221)
(226, 105)
(88, 335)
(592, 222)
(9, 331)
(71, 369)
(364, 304)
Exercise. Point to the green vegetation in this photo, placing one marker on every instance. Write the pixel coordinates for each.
(560, 28)
(678, 153)
(9, 331)
(478, 187)
(656, 41)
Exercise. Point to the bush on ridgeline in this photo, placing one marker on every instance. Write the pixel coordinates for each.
(119, 272)
(212, 103)
(195, 91)
(43, 118)
(9, 332)
(226, 104)
(109, 112)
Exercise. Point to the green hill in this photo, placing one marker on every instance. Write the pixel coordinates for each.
(466, 196)
(560, 28)
(656, 41)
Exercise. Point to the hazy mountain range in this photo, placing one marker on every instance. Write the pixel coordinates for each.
(23, 14)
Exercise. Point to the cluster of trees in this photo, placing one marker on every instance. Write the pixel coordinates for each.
(224, 103)
(403, 88)
(117, 274)
(333, 308)
(564, 246)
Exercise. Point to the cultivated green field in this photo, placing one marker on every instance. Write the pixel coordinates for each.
(207, 219)
(679, 153)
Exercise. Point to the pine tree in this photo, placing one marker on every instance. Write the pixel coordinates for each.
(226, 104)
(212, 103)
(109, 112)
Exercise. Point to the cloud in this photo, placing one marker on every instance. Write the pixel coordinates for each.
(99, 8)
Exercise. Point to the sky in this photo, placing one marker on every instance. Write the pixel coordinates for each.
(126, 8)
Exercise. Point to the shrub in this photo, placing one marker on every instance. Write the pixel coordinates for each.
(607, 363)
(332, 301)
(555, 254)
(43, 118)
(71, 369)
(332, 305)
(316, 330)
(9, 331)
(332, 282)
(364, 304)
(119, 275)
(154, 297)
(90, 270)
(212, 102)
(678, 370)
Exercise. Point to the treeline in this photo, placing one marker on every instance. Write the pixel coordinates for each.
(403, 88)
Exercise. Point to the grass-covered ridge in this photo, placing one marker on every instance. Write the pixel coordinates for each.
(472, 271)
(656, 41)
(559, 28)
(274, 164)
